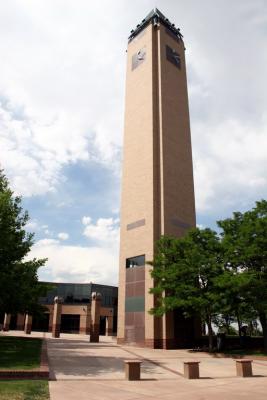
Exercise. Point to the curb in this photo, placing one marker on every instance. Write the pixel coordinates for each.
(38, 373)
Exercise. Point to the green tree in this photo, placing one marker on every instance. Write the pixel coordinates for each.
(19, 288)
(223, 323)
(245, 246)
(186, 272)
(232, 288)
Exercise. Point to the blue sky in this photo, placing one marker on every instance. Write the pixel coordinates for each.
(87, 189)
(62, 81)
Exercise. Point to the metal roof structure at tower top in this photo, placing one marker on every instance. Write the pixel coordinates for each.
(155, 16)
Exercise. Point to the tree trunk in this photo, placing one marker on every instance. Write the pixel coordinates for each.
(263, 321)
(203, 328)
(210, 334)
(227, 324)
(239, 323)
(250, 328)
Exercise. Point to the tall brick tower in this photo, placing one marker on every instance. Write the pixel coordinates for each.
(157, 184)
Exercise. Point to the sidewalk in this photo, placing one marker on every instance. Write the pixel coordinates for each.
(81, 370)
(96, 371)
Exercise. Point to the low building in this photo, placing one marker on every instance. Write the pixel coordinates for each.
(76, 309)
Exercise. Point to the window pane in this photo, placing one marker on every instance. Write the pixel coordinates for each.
(137, 261)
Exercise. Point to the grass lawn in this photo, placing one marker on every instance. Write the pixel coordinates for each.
(24, 390)
(19, 353)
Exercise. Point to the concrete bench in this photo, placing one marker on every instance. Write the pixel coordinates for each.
(132, 370)
(243, 368)
(191, 369)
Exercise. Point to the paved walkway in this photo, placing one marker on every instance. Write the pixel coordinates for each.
(82, 370)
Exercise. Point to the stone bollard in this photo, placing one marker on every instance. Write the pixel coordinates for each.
(244, 368)
(28, 324)
(57, 317)
(191, 369)
(6, 324)
(95, 315)
(132, 370)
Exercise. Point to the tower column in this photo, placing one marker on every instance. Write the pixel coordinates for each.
(50, 323)
(57, 317)
(95, 316)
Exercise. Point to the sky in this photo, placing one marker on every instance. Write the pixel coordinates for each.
(62, 84)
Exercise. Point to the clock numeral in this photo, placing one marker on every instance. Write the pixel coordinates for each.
(141, 55)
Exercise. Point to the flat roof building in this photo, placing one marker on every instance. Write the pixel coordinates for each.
(76, 309)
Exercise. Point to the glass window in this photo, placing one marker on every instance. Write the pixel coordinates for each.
(137, 261)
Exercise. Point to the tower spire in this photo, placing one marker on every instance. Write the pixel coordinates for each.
(155, 16)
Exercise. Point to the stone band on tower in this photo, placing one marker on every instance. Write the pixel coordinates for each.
(157, 183)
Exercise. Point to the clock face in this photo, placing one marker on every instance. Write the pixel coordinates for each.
(173, 56)
(138, 58)
(176, 59)
(141, 54)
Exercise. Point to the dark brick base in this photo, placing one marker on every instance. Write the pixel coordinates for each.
(166, 344)
(122, 341)
(84, 331)
(94, 338)
(56, 331)
(94, 333)
(40, 373)
(21, 374)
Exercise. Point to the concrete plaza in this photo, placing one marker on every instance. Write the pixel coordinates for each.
(83, 370)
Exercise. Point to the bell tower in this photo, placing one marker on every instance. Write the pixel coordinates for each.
(157, 183)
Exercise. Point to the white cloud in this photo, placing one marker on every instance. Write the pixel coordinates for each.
(76, 263)
(86, 220)
(200, 226)
(230, 165)
(63, 236)
(33, 169)
(62, 82)
(68, 263)
(45, 242)
(57, 105)
(32, 225)
(106, 230)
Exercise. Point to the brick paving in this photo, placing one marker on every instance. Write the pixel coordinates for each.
(83, 370)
